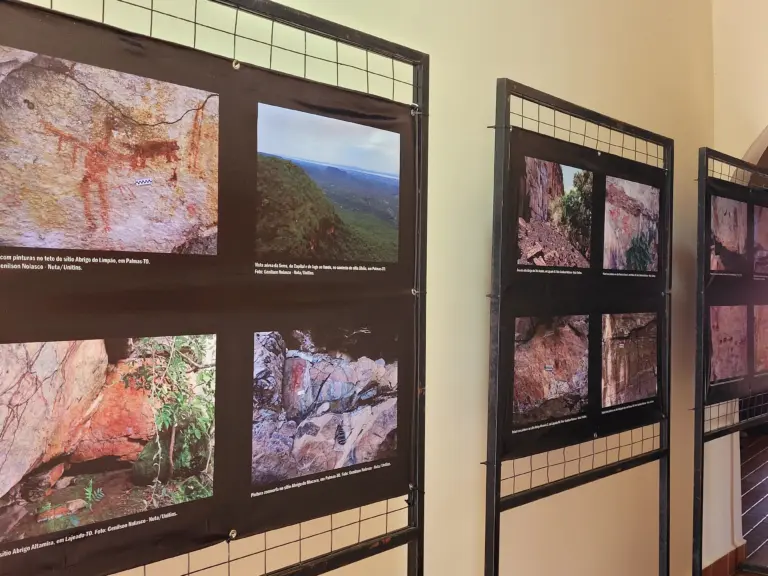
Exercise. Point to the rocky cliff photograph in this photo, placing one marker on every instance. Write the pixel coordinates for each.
(761, 240)
(630, 358)
(555, 215)
(761, 339)
(728, 243)
(323, 399)
(94, 430)
(631, 238)
(728, 342)
(551, 368)
(329, 190)
(94, 159)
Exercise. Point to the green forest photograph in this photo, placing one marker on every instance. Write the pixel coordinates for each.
(329, 190)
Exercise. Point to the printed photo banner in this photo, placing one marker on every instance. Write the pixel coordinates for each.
(734, 315)
(583, 307)
(207, 274)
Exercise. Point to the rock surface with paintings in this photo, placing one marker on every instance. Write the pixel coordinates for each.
(630, 355)
(551, 361)
(761, 240)
(335, 411)
(729, 235)
(94, 159)
(728, 351)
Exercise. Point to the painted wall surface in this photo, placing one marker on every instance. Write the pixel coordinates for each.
(722, 498)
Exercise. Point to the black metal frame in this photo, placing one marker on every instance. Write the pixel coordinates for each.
(413, 535)
(701, 436)
(495, 503)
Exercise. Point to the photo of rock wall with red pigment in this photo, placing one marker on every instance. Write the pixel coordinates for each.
(555, 215)
(728, 251)
(761, 339)
(728, 352)
(94, 159)
(93, 430)
(551, 368)
(322, 400)
(761, 240)
(631, 238)
(630, 358)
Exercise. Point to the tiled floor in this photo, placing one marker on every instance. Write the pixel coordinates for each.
(754, 497)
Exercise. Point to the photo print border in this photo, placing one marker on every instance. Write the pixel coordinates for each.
(40, 32)
(364, 110)
(296, 499)
(730, 288)
(102, 545)
(535, 437)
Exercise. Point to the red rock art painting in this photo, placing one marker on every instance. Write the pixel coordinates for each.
(95, 159)
(317, 410)
(728, 348)
(551, 368)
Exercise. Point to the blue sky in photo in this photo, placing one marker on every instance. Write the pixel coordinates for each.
(304, 136)
(568, 173)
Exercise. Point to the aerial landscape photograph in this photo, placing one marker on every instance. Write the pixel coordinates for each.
(323, 399)
(328, 190)
(728, 342)
(630, 358)
(761, 240)
(631, 226)
(728, 231)
(94, 159)
(551, 368)
(94, 430)
(554, 215)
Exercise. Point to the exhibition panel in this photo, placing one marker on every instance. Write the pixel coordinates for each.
(197, 253)
(579, 384)
(731, 383)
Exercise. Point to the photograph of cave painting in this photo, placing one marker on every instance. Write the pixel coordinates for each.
(93, 430)
(630, 358)
(328, 190)
(761, 240)
(761, 339)
(631, 238)
(728, 246)
(323, 399)
(551, 368)
(94, 159)
(728, 345)
(555, 215)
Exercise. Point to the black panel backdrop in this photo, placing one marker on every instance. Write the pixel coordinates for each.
(534, 289)
(60, 296)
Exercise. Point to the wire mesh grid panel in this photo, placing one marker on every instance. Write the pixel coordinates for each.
(235, 33)
(737, 175)
(530, 115)
(523, 474)
(738, 412)
(287, 547)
